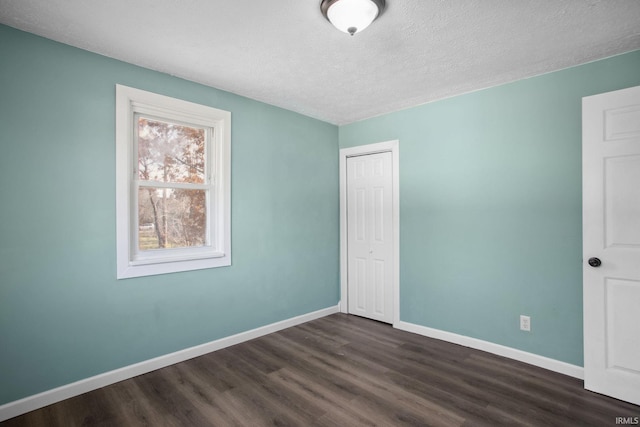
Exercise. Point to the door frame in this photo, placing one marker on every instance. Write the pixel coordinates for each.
(393, 147)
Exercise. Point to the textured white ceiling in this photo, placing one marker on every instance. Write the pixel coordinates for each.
(285, 53)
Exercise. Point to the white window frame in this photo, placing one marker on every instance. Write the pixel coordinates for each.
(131, 262)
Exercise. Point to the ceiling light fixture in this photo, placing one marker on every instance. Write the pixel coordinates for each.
(351, 16)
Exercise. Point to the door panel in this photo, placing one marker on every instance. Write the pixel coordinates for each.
(370, 236)
(611, 232)
(623, 329)
(622, 200)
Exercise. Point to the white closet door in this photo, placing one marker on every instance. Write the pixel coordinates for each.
(370, 236)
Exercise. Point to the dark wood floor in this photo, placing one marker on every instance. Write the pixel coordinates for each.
(339, 371)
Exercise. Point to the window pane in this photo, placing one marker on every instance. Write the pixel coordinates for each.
(171, 218)
(170, 152)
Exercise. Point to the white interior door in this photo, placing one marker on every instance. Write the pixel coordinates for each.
(370, 256)
(611, 243)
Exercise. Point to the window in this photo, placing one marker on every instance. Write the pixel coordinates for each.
(173, 190)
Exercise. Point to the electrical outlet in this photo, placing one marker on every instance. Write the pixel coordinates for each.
(525, 323)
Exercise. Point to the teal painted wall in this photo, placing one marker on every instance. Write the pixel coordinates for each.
(63, 314)
(490, 207)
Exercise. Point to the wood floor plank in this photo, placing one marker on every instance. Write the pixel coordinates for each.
(166, 399)
(334, 405)
(132, 407)
(339, 370)
(204, 399)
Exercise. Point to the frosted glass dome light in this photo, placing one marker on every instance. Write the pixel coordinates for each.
(351, 16)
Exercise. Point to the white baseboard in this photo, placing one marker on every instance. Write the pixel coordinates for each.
(22, 406)
(500, 350)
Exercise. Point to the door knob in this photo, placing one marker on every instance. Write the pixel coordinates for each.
(594, 262)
